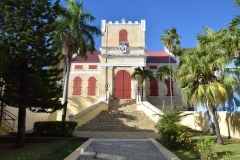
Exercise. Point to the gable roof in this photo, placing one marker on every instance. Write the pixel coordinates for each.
(159, 57)
(91, 58)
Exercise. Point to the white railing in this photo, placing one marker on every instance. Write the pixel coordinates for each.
(89, 113)
(150, 110)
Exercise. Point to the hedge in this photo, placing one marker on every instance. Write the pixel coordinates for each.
(54, 128)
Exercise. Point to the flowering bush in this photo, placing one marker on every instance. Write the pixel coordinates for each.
(184, 138)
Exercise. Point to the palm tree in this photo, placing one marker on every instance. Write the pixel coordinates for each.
(235, 21)
(196, 74)
(76, 36)
(162, 74)
(171, 42)
(144, 74)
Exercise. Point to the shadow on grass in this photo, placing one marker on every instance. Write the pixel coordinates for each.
(224, 153)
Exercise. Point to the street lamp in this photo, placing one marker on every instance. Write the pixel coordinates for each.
(138, 90)
(107, 85)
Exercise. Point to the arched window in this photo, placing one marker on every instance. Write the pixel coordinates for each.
(92, 86)
(77, 82)
(123, 36)
(154, 88)
(168, 87)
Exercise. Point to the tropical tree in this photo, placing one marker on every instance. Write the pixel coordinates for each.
(76, 36)
(162, 74)
(26, 29)
(236, 20)
(171, 42)
(142, 75)
(196, 76)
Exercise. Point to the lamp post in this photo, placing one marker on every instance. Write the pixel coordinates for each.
(138, 90)
(107, 85)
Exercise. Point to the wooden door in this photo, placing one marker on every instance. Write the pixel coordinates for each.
(123, 85)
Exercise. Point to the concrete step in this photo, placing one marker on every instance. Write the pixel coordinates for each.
(121, 116)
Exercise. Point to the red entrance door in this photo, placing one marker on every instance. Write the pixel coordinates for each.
(123, 85)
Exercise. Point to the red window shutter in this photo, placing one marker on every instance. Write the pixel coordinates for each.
(154, 88)
(168, 87)
(77, 86)
(92, 86)
(78, 66)
(152, 67)
(123, 36)
(92, 66)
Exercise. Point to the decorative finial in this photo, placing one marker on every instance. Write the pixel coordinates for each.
(123, 20)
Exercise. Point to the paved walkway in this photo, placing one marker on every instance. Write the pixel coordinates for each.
(122, 150)
(116, 135)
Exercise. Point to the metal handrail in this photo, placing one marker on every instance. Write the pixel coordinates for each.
(10, 120)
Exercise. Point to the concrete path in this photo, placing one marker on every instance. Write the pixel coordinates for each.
(122, 150)
(116, 135)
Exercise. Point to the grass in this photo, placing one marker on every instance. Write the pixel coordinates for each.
(229, 151)
(38, 151)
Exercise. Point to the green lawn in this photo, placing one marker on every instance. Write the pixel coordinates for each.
(229, 151)
(39, 151)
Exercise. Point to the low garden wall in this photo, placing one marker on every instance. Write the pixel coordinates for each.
(228, 122)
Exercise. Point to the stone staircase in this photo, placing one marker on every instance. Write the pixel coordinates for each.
(122, 116)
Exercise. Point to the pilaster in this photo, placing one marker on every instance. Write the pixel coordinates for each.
(110, 77)
(102, 83)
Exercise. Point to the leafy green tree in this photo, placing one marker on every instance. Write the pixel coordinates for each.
(27, 29)
(162, 74)
(236, 20)
(142, 75)
(171, 42)
(76, 36)
(197, 75)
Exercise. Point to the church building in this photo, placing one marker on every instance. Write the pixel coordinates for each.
(107, 73)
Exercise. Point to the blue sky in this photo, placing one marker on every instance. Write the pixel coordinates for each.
(188, 16)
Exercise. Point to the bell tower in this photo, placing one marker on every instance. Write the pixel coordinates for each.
(122, 50)
(126, 37)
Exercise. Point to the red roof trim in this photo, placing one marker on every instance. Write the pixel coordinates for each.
(159, 57)
(91, 58)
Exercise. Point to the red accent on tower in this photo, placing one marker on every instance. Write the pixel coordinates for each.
(123, 36)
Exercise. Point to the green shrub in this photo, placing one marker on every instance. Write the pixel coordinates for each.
(172, 134)
(54, 128)
(203, 149)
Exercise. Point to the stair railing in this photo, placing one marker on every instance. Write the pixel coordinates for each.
(9, 120)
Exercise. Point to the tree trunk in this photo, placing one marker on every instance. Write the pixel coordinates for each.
(20, 142)
(65, 90)
(219, 138)
(142, 91)
(170, 78)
